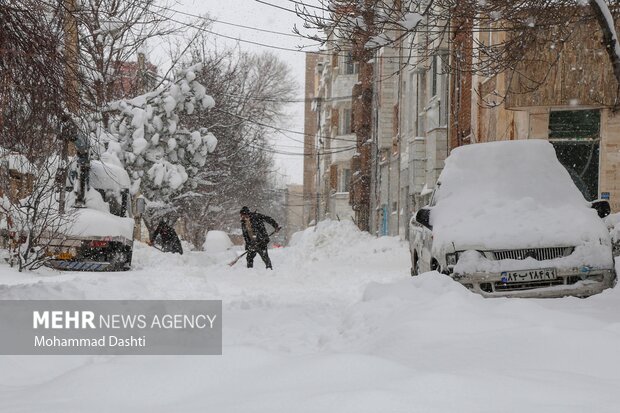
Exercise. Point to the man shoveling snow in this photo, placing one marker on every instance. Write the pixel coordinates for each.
(255, 235)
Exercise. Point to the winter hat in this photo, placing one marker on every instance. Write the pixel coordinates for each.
(245, 211)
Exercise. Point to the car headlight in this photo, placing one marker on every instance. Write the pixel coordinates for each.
(452, 258)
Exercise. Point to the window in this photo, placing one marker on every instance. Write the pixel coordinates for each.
(485, 48)
(345, 180)
(439, 70)
(345, 122)
(444, 60)
(435, 74)
(412, 110)
(405, 112)
(420, 98)
(349, 67)
(575, 137)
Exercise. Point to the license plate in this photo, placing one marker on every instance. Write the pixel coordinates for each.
(528, 275)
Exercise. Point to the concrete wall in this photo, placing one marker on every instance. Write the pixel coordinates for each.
(294, 211)
(609, 175)
(340, 208)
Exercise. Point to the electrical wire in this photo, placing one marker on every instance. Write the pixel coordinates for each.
(238, 39)
(277, 128)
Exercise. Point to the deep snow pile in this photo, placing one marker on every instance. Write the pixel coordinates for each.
(217, 241)
(330, 334)
(339, 239)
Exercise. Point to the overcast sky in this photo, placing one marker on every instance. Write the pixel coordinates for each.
(254, 14)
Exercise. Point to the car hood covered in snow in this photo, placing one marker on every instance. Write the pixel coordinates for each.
(509, 195)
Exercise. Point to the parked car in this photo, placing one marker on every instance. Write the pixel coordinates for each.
(506, 219)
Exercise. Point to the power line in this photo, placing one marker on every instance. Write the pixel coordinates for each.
(239, 39)
(274, 151)
(307, 100)
(215, 20)
(277, 128)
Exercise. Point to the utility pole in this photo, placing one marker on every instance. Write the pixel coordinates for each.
(318, 164)
(71, 92)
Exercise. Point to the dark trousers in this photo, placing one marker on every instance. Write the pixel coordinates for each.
(262, 251)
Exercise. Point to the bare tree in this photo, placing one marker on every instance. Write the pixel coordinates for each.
(111, 32)
(31, 76)
(32, 223)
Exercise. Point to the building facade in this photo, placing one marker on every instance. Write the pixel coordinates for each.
(336, 76)
(571, 104)
(426, 103)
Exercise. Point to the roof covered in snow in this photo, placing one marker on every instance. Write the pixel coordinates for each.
(16, 162)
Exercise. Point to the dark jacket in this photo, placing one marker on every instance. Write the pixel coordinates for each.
(258, 226)
(168, 238)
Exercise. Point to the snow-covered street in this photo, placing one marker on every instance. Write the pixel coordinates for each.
(338, 326)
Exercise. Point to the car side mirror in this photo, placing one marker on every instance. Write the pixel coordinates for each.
(602, 208)
(423, 217)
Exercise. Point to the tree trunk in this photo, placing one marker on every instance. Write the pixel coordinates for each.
(362, 113)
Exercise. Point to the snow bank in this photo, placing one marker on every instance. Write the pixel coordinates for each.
(335, 334)
(217, 241)
(341, 240)
(512, 194)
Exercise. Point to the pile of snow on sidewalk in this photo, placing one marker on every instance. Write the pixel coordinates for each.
(339, 239)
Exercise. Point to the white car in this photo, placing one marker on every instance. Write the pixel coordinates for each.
(506, 219)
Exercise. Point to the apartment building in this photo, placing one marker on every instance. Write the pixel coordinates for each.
(335, 141)
(425, 104)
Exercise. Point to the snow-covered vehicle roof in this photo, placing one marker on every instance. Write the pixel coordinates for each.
(511, 194)
(16, 162)
(108, 176)
(94, 224)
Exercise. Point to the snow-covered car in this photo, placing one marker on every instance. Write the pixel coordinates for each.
(99, 236)
(506, 219)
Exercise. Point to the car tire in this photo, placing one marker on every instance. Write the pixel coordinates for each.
(435, 266)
